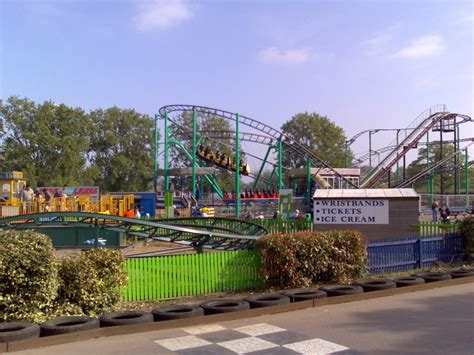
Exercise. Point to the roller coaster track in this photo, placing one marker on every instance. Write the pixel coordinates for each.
(362, 158)
(291, 145)
(407, 144)
(428, 170)
(220, 233)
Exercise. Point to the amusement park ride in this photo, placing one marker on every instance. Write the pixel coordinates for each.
(316, 172)
(113, 211)
(197, 146)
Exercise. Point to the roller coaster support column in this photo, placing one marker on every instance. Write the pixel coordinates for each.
(237, 165)
(370, 149)
(166, 154)
(398, 167)
(430, 179)
(280, 163)
(155, 165)
(457, 159)
(308, 184)
(194, 153)
(262, 167)
(466, 164)
(346, 154)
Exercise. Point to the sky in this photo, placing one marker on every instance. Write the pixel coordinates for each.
(363, 64)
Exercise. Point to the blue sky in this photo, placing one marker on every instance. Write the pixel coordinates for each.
(364, 64)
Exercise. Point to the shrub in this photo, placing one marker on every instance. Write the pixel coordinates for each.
(466, 230)
(92, 280)
(28, 276)
(300, 259)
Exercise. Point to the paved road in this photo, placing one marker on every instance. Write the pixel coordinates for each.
(439, 321)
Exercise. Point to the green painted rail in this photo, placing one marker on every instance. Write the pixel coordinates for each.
(165, 277)
(290, 225)
(202, 236)
(427, 229)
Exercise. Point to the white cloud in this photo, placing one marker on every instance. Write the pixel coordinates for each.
(377, 44)
(162, 14)
(289, 56)
(425, 46)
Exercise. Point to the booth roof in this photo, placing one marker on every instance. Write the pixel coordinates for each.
(364, 193)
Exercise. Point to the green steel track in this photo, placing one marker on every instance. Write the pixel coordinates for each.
(213, 233)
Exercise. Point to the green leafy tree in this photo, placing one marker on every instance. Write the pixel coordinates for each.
(121, 150)
(446, 171)
(319, 135)
(47, 141)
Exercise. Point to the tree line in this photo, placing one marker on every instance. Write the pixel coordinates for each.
(55, 144)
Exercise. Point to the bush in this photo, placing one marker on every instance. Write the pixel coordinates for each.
(28, 276)
(466, 230)
(92, 280)
(300, 259)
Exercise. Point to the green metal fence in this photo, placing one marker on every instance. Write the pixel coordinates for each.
(436, 228)
(164, 277)
(275, 226)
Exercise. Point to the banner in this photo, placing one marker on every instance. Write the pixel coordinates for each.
(93, 191)
(350, 211)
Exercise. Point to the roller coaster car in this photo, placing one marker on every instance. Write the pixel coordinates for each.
(226, 163)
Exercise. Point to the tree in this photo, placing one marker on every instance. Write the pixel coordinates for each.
(319, 135)
(48, 142)
(121, 149)
(446, 171)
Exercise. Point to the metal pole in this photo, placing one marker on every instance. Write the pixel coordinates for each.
(308, 183)
(346, 155)
(280, 163)
(441, 186)
(237, 166)
(404, 165)
(466, 165)
(155, 165)
(430, 179)
(370, 149)
(262, 167)
(398, 166)
(194, 153)
(456, 191)
(458, 164)
(166, 154)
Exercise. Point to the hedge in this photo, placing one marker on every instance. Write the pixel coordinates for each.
(303, 258)
(35, 286)
(92, 280)
(28, 276)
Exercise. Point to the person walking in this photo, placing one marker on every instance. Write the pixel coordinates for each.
(434, 209)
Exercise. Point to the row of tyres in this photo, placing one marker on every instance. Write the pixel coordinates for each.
(13, 331)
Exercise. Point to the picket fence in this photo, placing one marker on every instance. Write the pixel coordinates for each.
(164, 277)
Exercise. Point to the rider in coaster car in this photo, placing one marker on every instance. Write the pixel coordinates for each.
(217, 157)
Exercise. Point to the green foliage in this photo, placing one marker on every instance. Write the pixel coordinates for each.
(319, 135)
(466, 230)
(300, 259)
(92, 280)
(28, 276)
(121, 150)
(40, 139)
(434, 153)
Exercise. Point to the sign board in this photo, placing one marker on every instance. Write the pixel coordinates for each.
(335, 211)
(93, 191)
